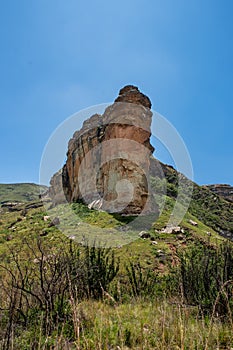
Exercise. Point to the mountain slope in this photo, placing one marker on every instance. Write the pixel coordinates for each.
(20, 192)
(223, 190)
(207, 206)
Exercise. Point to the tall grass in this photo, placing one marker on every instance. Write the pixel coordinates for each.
(78, 298)
(156, 324)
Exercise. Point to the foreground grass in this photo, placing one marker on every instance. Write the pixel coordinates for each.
(139, 324)
(134, 313)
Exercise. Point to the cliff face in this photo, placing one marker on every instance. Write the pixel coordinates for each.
(108, 159)
(56, 192)
(223, 190)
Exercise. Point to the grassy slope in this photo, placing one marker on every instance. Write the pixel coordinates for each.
(20, 192)
(15, 226)
(139, 324)
(212, 213)
(208, 207)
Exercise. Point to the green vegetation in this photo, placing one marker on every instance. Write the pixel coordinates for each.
(213, 210)
(75, 297)
(209, 208)
(22, 192)
(169, 291)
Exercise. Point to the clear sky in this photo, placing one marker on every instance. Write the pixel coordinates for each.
(58, 57)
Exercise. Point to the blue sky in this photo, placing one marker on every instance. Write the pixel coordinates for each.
(58, 57)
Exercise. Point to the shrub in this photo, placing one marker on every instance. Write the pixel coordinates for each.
(37, 290)
(206, 277)
(142, 283)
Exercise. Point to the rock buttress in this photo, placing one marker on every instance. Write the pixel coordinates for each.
(108, 159)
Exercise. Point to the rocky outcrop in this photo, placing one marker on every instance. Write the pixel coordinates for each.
(131, 94)
(108, 160)
(56, 191)
(223, 190)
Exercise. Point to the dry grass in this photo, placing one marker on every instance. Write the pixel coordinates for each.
(157, 325)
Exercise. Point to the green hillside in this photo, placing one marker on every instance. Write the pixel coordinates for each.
(210, 208)
(20, 192)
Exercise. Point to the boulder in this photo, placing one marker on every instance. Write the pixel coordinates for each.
(131, 94)
(172, 229)
(144, 234)
(194, 223)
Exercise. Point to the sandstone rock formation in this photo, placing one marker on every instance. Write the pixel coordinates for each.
(56, 191)
(132, 94)
(108, 160)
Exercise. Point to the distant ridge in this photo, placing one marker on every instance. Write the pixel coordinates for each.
(223, 190)
(20, 192)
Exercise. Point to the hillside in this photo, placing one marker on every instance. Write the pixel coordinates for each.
(20, 192)
(107, 294)
(223, 190)
(208, 206)
(208, 220)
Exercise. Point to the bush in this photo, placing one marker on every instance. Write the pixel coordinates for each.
(205, 276)
(142, 283)
(38, 288)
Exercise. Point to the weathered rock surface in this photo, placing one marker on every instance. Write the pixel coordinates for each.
(56, 191)
(108, 160)
(223, 190)
(131, 94)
